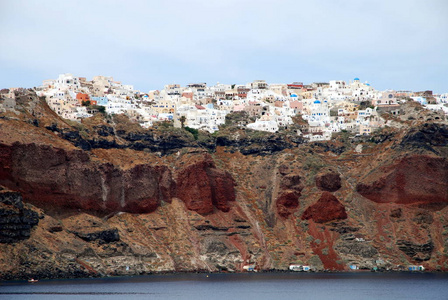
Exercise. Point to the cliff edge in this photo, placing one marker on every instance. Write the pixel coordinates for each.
(106, 197)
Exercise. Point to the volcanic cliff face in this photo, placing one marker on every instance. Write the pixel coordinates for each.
(45, 175)
(202, 186)
(16, 221)
(416, 179)
(106, 197)
(326, 209)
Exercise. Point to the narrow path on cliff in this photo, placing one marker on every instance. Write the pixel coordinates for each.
(114, 125)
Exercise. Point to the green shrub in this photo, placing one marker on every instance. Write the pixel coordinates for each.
(193, 131)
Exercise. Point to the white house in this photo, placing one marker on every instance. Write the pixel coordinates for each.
(264, 124)
(442, 98)
(67, 81)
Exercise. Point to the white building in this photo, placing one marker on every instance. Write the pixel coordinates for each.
(264, 125)
(67, 81)
(442, 98)
(199, 117)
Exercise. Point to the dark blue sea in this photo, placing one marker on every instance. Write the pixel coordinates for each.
(257, 286)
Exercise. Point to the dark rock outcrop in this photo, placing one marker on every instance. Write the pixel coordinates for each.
(251, 143)
(292, 182)
(11, 198)
(105, 137)
(423, 218)
(210, 227)
(426, 136)
(329, 146)
(330, 182)
(103, 237)
(16, 222)
(217, 247)
(352, 247)
(165, 144)
(417, 252)
(396, 213)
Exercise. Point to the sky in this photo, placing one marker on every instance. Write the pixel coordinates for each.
(399, 44)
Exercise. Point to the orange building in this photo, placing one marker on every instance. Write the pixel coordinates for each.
(85, 97)
(188, 94)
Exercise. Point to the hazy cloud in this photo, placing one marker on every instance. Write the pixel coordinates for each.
(393, 44)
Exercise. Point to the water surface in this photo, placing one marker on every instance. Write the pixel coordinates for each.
(239, 286)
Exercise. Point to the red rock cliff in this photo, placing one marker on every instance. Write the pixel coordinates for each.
(416, 179)
(52, 177)
(202, 186)
(326, 209)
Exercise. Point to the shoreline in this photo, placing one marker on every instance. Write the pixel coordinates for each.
(181, 273)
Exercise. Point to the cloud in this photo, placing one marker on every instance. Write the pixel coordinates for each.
(156, 42)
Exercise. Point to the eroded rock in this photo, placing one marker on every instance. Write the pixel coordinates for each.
(417, 179)
(357, 248)
(202, 186)
(16, 222)
(292, 182)
(56, 178)
(287, 203)
(326, 209)
(330, 182)
(417, 252)
(396, 213)
(103, 236)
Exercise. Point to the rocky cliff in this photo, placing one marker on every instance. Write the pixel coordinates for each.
(106, 197)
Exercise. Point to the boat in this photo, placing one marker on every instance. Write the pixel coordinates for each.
(32, 280)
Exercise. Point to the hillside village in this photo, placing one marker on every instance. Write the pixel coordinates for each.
(103, 196)
(327, 107)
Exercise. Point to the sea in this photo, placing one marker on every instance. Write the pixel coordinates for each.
(257, 286)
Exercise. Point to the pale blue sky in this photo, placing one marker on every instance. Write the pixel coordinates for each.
(399, 44)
